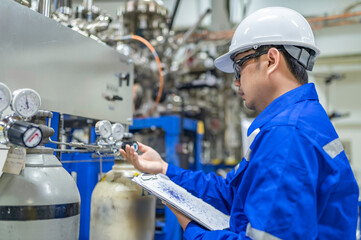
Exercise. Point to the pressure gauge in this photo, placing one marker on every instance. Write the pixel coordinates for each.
(117, 131)
(26, 102)
(5, 97)
(103, 128)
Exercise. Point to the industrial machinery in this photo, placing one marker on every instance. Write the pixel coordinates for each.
(76, 76)
(88, 66)
(120, 209)
(38, 197)
(174, 74)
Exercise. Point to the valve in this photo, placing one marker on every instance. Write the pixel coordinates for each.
(21, 133)
(131, 144)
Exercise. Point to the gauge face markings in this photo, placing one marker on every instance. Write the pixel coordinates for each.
(26, 102)
(5, 97)
(117, 131)
(104, 128)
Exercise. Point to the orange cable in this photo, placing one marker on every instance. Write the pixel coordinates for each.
(161, 79)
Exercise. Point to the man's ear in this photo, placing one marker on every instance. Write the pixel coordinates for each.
(274, 58)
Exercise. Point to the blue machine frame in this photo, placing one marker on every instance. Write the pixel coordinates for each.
(87, 167)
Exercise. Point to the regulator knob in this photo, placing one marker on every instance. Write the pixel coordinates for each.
(24, 134)
(130, 143)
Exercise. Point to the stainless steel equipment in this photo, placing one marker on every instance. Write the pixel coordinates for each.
(146, 18)
(74, 74)
(192, 86)
(18, 132)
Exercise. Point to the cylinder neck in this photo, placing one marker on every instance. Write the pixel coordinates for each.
(122, 165)
(120, 161)
(40, 150)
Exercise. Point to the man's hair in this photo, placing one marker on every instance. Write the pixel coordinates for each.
(298, 71)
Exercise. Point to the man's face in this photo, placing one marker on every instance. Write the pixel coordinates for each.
(251, 81)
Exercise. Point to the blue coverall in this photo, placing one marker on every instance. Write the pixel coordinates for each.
(295, 181)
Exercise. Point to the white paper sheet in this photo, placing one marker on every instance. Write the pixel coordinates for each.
(174, 195)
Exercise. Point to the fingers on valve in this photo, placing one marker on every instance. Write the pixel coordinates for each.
(142, 147)
(122, 152)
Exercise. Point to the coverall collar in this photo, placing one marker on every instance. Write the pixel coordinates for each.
(304, 92)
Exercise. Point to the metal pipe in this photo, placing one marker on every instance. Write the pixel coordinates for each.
(100, 166)
(189, 33)
(61, 5)
(173, 15)
(26, 3)
(315, 22)
(65, 3)
(87, 4)
(157, 59)
(81, 145)
(103, 153)
(85, 161)
(44, 7)
(72, 150)
(333, 17)
(195, 26)
(348, 9)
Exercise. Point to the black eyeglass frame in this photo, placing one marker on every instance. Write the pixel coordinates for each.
(237, 65)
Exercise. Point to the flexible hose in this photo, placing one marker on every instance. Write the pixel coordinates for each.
(156, 57)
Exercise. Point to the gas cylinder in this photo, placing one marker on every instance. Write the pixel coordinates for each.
(40, 203)
(120, 209)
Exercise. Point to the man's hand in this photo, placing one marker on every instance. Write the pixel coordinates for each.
(182, 219)
(149, 162)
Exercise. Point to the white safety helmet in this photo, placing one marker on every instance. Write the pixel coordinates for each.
(272, 26)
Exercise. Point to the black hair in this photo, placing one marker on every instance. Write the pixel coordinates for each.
(298, 71)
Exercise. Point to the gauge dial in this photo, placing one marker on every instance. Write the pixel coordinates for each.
(117, 131)
(26, 102)
(103, 128)
(5, 97)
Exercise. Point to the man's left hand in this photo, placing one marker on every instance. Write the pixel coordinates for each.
(182, 219)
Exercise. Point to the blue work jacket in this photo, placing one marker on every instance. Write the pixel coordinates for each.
(295, 181)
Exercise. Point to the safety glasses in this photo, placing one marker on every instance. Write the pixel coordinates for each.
(237, 65)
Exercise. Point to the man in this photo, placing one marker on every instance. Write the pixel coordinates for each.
(295, 181)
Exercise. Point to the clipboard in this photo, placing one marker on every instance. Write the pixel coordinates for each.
(176, 196)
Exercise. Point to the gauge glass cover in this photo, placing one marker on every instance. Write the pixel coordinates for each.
(5, 97)
(104, 128)
(26, 102)
(117, 131)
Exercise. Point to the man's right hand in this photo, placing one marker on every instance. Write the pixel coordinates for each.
(149, 162)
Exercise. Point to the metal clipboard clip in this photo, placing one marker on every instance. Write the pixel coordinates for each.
(148, 177)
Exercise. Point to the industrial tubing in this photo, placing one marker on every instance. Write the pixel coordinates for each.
(156, 57)
(315, 22)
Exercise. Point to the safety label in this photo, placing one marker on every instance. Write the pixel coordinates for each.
(15, 160)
